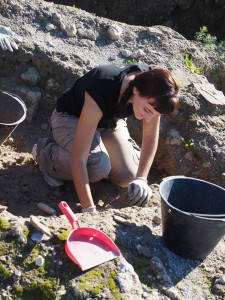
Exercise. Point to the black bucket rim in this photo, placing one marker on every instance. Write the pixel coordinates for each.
(184, 212)
(23, 105)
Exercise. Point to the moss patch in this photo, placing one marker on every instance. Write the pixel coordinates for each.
(95, 281)
(63, 235)
(4, 273)
(4, 225)
(45, 289)
(3, 248)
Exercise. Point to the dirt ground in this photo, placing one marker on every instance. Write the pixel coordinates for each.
(23, 186)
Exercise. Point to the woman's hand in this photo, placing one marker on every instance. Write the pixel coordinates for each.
(88, 122)
(139, 192)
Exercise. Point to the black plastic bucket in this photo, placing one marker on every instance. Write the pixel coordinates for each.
(12, 113)
(183, 232)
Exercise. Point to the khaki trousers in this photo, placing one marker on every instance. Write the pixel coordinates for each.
(113, 153)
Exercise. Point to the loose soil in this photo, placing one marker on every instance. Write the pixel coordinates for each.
(23, 186)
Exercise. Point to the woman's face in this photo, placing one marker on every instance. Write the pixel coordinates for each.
(143, 107)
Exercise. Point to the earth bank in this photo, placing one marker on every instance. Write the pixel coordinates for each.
(38, 72)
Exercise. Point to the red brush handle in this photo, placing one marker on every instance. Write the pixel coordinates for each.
(66, 210)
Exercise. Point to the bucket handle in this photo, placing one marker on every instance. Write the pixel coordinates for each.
(212, 217)
(201, 216)
(66, 210)
(18, 99)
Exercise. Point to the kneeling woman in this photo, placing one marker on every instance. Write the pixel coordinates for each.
(90, 139)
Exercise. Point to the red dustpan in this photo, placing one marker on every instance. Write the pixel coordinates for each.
(87, 247)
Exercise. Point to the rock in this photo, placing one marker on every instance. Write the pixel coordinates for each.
(159, 270)
(53, 85)
(174, 137)
(44, 207)
(9, 141)
(39, 225)
(70, 30)
(172, 293)
(39, 261)
(2, 208)
(34, 97)
(17, 229)
(127, 278)
(85, 33)
(49, 26)
(219, 290)
(114, 32)
(146, 251)
(122, 220)
(125, 53)
(137, 54)
(30, 77)
(18, 273)
(209, 92)
(157, 220)
(220, 280)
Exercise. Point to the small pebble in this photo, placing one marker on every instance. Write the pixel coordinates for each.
(220, 280)
(39, 261)
(39, 225)
(18, 273)
(10, 140)
(44, 207)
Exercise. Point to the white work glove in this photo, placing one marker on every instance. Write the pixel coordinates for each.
(8, 39)
(139, 192)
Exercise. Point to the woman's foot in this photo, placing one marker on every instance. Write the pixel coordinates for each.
(53, 182)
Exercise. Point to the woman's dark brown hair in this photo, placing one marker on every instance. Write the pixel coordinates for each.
(156, 83)
(159, 84)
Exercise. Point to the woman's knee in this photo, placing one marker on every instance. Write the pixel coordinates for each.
(99, 167)
(123, 178)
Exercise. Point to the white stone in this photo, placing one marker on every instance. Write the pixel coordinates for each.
(70, 30)
(86, 34)
(49, 26)
(124, 281)
(39, 261)
(138, 53)
(221, 280)
(114, 32)
(18, 273)
(125, 53)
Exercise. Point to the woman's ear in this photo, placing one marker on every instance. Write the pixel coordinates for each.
(135, 90)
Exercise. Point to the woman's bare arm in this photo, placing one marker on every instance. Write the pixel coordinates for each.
(149, 145)
(88, 122)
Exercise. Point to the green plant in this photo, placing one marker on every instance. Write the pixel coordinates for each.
(130, 61)
(222, 44)
(204, 37)
(194, 117)
(191, 65)
(74, 8)
(189, 143)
